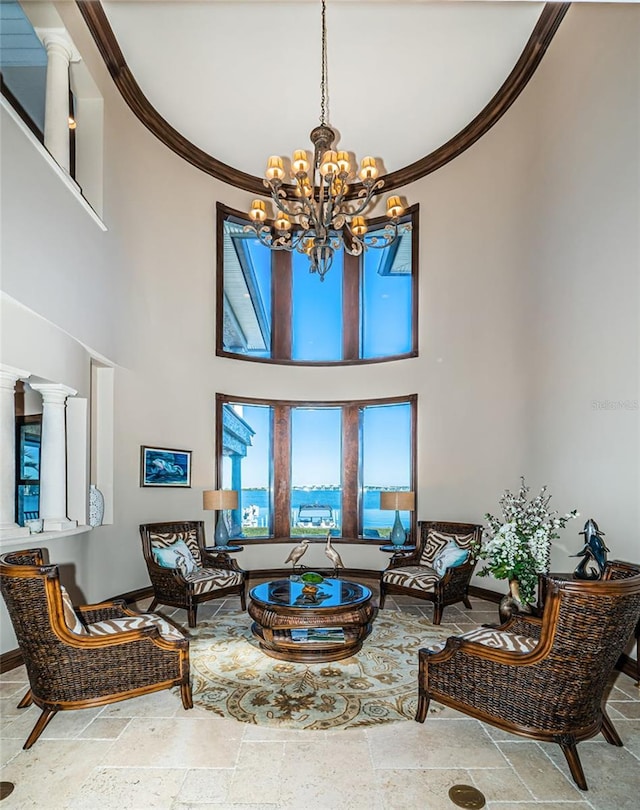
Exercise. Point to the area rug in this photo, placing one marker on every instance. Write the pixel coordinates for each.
(232, 677)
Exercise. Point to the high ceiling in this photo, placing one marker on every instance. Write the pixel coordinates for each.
(241, 80)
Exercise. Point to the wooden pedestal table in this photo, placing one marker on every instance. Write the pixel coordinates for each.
(293, 626)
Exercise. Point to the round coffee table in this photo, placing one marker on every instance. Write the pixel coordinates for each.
(295, 627)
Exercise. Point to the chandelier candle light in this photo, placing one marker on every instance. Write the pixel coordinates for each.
(404, 501)
(322, 220)
(219, 500)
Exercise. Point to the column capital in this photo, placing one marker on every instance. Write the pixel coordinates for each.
(53, 392)
(58, 39)
(9, 375)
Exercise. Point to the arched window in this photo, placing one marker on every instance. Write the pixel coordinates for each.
(270, 308)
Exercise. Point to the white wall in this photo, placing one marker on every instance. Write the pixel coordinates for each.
(142, 295)
(583, 262)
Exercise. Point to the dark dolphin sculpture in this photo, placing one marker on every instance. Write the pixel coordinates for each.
(594, 550)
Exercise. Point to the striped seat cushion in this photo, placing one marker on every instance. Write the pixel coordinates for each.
(71, 618)
(498, 639)
(210, 579)
(166, 539)
(110, 626)
(436, 541)
(419, 577)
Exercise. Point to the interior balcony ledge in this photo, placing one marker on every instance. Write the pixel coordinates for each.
(39, 538)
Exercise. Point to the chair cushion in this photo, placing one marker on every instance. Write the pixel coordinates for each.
(498, 639)
(436, 541)
(71, 618)
(177, 555)
(450, 557)
(110, 626)
(210, 579)
(166, 539)
(419, 577)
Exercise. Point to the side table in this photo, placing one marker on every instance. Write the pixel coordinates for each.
(221, 553)
(391, 548)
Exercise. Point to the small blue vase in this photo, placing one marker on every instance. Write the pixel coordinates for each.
(398, 535)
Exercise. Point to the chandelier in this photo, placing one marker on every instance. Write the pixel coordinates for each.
(321, 216)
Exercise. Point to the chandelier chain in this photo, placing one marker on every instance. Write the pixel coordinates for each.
(323, 81)
(318, 218)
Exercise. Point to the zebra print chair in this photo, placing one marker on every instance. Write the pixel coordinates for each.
(543, 678)
(87, 656)
(185, 578)
(413, 574)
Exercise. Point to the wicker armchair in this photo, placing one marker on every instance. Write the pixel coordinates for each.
(216, 575)
(413, 575)
(88, 656)
(543, 678)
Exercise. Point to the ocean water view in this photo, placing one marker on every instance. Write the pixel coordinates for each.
(374, 517)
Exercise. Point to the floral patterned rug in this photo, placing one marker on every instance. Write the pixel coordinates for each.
(232, 677)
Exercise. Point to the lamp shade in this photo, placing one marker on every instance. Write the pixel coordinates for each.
(398, 500)
(213, 499)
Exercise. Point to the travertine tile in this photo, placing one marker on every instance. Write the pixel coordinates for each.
(328, 774)
(64, 725)
(51, 773)
(626, 708)
(500, 784)
(538, 772)
(12, 690)
(259, 763)
(269, 733)
(104, 728)
(177, 743)
(117, 788)
(511, 805)
(436, 743)
(9, 748)
(426, 789)
(626, 685)
(612, 773)
(165, 703)
(629, 731)
(203, 786)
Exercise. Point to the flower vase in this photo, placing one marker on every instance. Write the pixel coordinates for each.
(510, 604)
(96, 506)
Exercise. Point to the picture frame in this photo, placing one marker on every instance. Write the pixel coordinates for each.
(164, 467)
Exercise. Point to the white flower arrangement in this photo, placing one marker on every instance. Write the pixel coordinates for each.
(519, 545)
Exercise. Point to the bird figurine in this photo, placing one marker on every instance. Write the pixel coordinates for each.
(333, 555)
(297, 552)
(594, 550)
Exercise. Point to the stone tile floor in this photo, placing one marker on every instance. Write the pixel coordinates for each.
(149, 753)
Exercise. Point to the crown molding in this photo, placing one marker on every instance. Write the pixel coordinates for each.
(530, 58)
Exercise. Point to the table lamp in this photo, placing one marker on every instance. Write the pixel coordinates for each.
(404, 501)
(219, 500)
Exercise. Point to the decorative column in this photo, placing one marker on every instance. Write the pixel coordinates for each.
(8, 378)
(60, 53)
(53, 456)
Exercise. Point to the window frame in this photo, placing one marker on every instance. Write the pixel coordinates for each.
(352, 492)
(282, 300)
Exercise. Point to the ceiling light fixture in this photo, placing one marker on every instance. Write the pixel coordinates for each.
(321, 219)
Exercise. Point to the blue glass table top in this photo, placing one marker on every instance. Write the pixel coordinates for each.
(331, 593)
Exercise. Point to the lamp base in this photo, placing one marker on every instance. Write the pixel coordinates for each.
(221, 534)
(398, 535)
